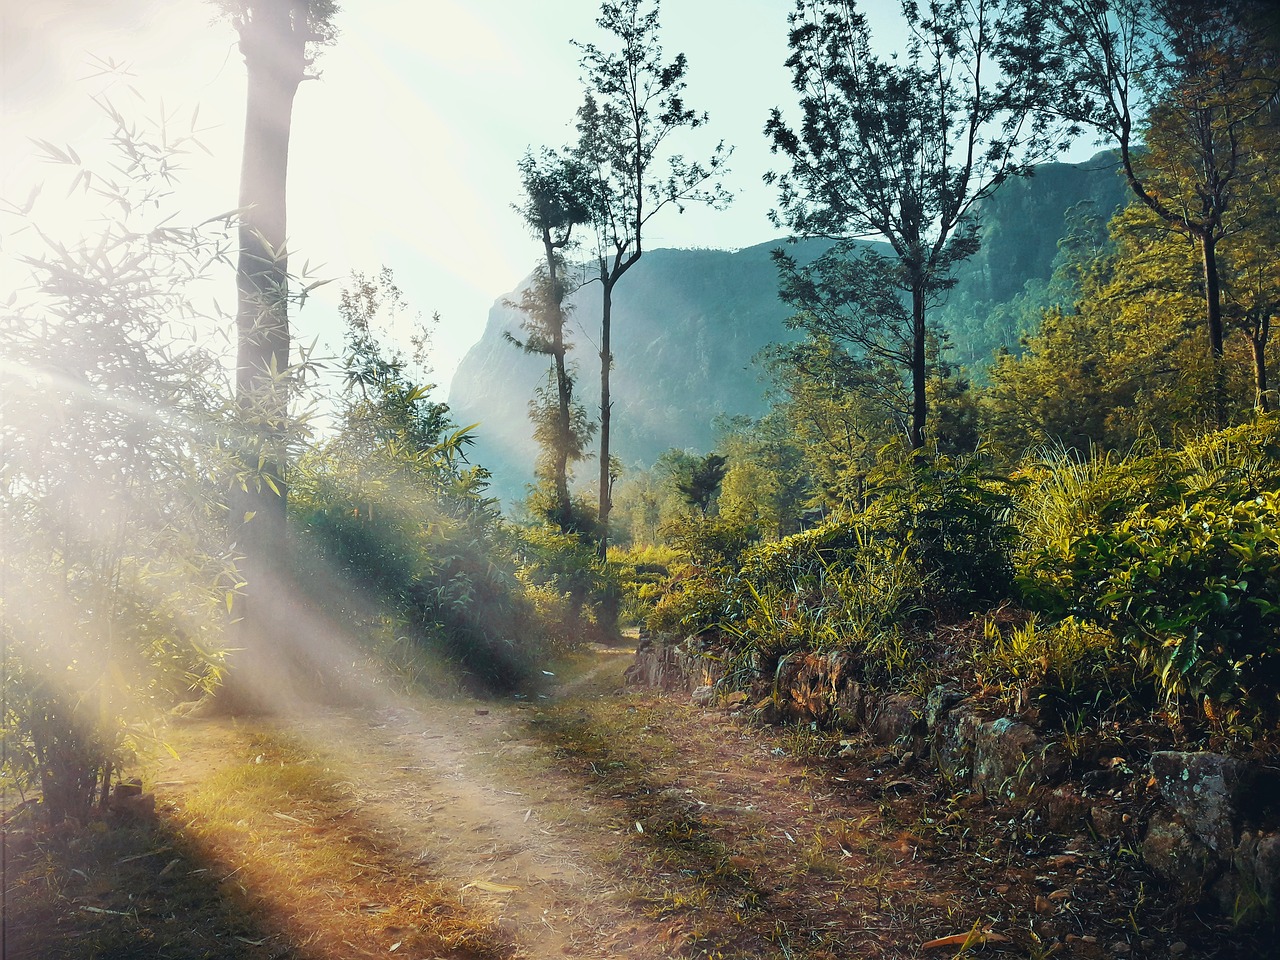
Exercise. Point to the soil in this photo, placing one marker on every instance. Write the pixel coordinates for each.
(595, 822)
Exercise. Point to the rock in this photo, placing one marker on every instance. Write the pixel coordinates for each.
(939, 703)
(1175, 855)
(1108, 820)
(811, 688)
(897, 718)
(1257, 863)
(1267, 867)
(1203, 789)
(953, 742)
(1063, 809)
(1008, 758)
(850, 707)
(128, 788)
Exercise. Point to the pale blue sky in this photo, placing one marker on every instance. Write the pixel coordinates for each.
(405, 152)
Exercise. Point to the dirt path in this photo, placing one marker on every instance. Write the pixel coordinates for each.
(457, 787)
(597, 823)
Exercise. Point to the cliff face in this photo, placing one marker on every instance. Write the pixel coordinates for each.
(687, 324)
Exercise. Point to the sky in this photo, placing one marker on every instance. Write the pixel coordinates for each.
(404, 152)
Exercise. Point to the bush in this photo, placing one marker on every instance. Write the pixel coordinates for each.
(1195, 590)
(1177, 553)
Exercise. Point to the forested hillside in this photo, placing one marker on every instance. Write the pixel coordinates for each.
(691, 324)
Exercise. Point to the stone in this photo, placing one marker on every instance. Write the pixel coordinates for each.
(850, 707)
(939, 703)
(1203, 789)
(1063, 809)
(1175, 855)
(1108, 820)
(953, 742)
(896, 719)
(1267, 867)
(811, 689)
(1009, 758)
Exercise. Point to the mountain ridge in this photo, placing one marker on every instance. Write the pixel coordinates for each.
(688, 322)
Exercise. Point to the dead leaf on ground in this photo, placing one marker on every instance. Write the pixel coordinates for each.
(972, 938)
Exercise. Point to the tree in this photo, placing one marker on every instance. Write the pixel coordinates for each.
(557, 199)
(114, 565)
(702, 482)
(902, 149)
(634, 103)
(1194, 77)
(1118, 363)
(276, 40)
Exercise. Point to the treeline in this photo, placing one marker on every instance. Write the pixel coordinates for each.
(1087, 527)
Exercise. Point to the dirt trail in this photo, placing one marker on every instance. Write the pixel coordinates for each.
(430, 777)
(427, 774)
(599, 824)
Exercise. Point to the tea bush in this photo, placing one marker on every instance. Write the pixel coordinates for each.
(1177, 554)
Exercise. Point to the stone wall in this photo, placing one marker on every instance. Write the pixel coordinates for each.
(1207, 825)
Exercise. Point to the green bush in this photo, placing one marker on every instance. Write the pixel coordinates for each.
(1195, 590)
(1176, 553)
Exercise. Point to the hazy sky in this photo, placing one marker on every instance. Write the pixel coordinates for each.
(404, 153)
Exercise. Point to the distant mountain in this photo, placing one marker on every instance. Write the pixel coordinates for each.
(687, 324)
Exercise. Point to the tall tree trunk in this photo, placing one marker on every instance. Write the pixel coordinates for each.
(919, 367)
(1213, 321)
(606, 364)
(564, 390)
(272, 40)
(1258, 341)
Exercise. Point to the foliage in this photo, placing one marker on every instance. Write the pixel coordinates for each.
(951, 520)
(1061, 667)
(1176, 553)
(903, 149)
(1124, 360)
(115, 573)
(558, 198)
(642, 575)
(634, 102)
(392, 511)
(700, 487)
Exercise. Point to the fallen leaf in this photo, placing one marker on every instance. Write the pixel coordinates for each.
(972, 938)
(169, 867)
(285, 816)
(639, 829)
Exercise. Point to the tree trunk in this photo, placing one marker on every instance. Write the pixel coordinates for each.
(606, 364)
(1258, 341)
(919, 367)
(564, 391)
(1213, 320)
(273, 45)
